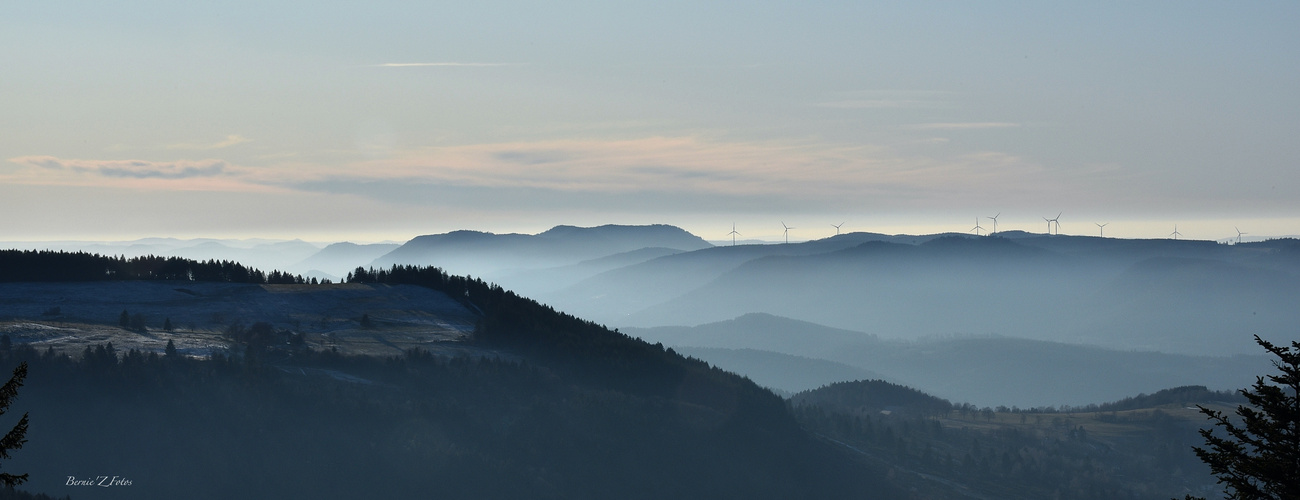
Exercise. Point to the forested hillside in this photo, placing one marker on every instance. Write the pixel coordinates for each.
(564, 409)
(46, 266)
(1137, 448)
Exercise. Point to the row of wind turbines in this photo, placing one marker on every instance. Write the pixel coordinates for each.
(1101, 228)
(1054, 220)
(787, 229)
(1057, 221)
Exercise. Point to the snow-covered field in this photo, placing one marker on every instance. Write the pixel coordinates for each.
(70, 316)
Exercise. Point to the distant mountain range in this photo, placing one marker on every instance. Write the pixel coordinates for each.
(532, 263)
(338, 259)
(1179, 296)
(783, 373)
(793, 356)
(481, 253)
(1190, 297)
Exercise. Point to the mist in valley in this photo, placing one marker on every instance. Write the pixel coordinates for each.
(1015, 319)
(1011, 319)
(1052, 327)
(631, 250)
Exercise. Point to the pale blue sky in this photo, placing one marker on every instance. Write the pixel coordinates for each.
(371, 120)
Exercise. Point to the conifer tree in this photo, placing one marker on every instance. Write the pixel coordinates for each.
(137, 322)
(16, 436)
(1259, 458)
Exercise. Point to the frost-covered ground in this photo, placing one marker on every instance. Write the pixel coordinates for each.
(70, 316)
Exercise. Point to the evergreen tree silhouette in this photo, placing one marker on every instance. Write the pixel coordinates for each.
(16, 436)
(1259, 458)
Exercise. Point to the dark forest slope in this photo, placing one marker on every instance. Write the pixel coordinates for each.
(567, 409)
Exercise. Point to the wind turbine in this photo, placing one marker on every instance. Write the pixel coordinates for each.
(1175, 234)
(787, 231)
(977, 227)
(733, 234)
(1103, 228)
(995, 222)
(837, 228)
(1239, 233)
(1057, 220)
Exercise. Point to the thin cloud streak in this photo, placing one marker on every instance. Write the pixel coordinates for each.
(587, 173)
(961, 126)
(676, 167)
(181, 175)
(138, 169)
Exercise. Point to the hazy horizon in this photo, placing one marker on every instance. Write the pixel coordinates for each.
(713, 237)
(383, 121)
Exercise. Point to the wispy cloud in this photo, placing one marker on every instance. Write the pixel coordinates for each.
(961, 125)
(230, 140)
(444, 64)
(588, 174)
(668, 168)
(136, 169)
(531, 156)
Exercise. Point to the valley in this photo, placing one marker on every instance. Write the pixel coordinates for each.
(982, 414)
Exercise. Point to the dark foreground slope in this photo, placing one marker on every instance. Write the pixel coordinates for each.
(563, 409)
(323, 426)
(1137, 448)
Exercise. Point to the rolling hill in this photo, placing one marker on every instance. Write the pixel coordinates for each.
(981, 370)
(486, 254)
(1179, 297)
(337, 259)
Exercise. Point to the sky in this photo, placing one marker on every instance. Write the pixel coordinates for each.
(368, 121)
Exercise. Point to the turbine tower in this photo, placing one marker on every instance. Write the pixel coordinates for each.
(1056, 220)
(995, 223)
(1175, 234)
(977, 227)
(837, 228)
(733, 234)
(1239, 233)
(1102, 227)
(787, 231)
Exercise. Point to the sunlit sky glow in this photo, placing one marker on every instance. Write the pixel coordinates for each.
(371, 121)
